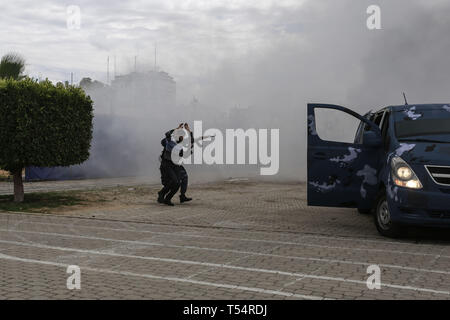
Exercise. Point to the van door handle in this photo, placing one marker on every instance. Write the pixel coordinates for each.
(320, 156)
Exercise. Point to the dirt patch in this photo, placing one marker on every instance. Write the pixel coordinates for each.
(65, 201)
(111, 200)
(5, 176)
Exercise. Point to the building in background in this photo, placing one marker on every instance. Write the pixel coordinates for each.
(130, 118)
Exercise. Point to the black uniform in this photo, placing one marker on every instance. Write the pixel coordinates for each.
(169, 174)
(169, 180)
(173, 176)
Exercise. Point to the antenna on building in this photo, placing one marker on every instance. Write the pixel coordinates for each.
(406, 101)
(107, 70)
(115, 67)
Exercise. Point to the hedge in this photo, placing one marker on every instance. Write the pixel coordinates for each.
(43, 125)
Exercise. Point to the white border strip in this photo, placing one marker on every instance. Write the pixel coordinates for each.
(235, 251)
(226, 266)
(150, 276)
(253, 240)
(302, 236)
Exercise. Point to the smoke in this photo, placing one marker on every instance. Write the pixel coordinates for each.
(322, 53)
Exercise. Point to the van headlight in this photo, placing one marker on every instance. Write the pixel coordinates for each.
(403, 175)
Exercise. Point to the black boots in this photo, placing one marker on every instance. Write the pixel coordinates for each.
(163, 200)
(167, 199)
(160, 197)
(168, 202)
(183, 198)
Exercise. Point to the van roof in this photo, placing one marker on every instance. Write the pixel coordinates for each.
(430, 106)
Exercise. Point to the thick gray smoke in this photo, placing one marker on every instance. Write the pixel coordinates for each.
(326, 54)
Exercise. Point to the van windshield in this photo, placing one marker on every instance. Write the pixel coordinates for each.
(426, 123)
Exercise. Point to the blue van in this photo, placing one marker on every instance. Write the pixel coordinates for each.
(398, 166)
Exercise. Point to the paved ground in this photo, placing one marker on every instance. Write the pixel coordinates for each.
(236, 240)
(45, 186)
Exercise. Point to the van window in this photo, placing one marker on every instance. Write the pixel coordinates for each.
(422, 127)
(384, 131)
(424, 121)
(359, 133)
(335, 125)
(378, 118)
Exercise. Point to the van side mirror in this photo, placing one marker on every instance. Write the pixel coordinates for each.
(372, 139)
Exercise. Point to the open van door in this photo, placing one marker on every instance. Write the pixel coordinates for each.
(342, 174)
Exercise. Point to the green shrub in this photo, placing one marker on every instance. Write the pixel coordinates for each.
(42, 125)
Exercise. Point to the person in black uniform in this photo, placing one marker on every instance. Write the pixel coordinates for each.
(173, 176)
(169, 173)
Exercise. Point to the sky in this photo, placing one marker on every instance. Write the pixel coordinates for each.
(271, 56)
(205, 44)
(192, 38)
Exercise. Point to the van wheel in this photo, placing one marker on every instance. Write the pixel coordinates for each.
(382, 217)
(364, 211)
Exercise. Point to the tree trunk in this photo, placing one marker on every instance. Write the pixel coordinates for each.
(18, 186)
